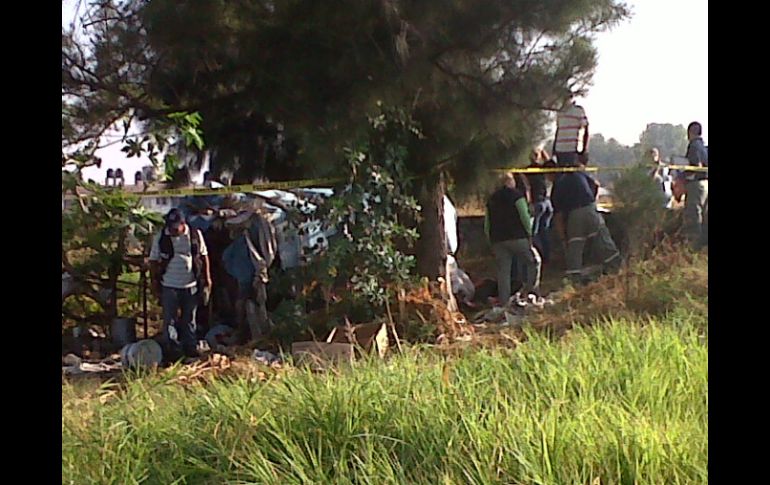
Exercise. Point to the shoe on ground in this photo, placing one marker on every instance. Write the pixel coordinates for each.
(518, 301)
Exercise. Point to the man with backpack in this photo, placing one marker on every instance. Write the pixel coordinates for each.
(179, 267)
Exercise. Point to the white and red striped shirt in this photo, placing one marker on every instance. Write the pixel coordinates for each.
(571, 123)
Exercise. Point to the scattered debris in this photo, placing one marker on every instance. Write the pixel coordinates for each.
(428, 306)
(74, 365)
(203, 369)
(266, 358)
(221, 336)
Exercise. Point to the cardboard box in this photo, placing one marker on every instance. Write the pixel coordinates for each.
(321, 354)
(368, 336)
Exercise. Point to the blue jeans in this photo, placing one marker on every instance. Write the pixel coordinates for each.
(174, 301)
(543, 213)
(696, 210)
(566, 159)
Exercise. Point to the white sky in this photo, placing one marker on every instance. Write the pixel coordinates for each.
(652, 69)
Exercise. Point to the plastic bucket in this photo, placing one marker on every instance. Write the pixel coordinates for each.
(145, 353)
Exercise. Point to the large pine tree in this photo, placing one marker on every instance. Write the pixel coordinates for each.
(282, 85)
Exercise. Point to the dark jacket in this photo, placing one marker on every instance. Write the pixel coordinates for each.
(697, 156)
(505, 220)
(537, 186)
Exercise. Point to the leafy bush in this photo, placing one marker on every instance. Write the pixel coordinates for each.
(640, 209)
(369, 211)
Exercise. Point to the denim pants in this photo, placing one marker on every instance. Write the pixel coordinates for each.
(566, 159)
(178, 301)
(696, 209)
(543, 213)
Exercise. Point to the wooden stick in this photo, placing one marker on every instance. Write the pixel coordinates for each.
(392, 325)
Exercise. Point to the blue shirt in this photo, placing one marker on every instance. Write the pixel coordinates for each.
(698, 156)
(572, 191)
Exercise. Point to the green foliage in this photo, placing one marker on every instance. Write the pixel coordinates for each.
(640, 208)
(625, 402)
(667, 138)
(160, 139)
(281, 86)
(291, 322)
(96, 230)
(610, 153)
(370, 212)
(477, 75)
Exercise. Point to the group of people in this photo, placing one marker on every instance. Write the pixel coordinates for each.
(692, 185)
(181, 269)
(519, 213)
(518, 219)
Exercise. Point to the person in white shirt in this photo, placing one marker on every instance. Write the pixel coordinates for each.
(660, 173)
(179, 267)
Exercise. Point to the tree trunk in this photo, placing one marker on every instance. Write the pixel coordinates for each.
(431, 247)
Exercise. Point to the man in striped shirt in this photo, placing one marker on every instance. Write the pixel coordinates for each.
(570, 145)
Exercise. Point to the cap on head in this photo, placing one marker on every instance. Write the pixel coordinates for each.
(174, 218)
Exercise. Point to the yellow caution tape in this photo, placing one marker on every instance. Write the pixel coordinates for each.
(234, 189)
(593, 169)
(320, 182)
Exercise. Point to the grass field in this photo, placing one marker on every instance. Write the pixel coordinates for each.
(625, 402)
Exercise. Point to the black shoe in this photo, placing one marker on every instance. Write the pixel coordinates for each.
(191, 353)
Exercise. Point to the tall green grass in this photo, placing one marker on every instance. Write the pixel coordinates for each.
(625, 402)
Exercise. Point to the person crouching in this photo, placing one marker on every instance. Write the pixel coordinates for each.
(574, 203)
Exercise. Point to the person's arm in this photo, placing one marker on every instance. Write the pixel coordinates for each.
(585, 139)
(206, 267)
(524, 181)
(523, 208)
(558, 213)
